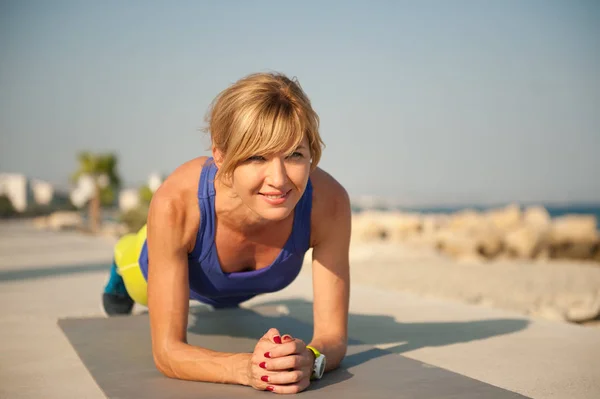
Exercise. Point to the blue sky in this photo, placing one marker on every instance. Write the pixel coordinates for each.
(426, 102)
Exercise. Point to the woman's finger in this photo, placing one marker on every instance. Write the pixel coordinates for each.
(287, 348)
(261, 377)
(273, 336)
(289, 389)
(287, 338)
(284, 377)
(284, 363)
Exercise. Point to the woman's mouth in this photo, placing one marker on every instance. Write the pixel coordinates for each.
(275, 198)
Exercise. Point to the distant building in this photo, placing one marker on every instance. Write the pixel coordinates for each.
(15, 187)
(83, 191)
(43, 192)
(24, 192)
(128, 199)
(154, 181)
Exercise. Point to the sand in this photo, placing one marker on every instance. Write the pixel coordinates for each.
(555, 290)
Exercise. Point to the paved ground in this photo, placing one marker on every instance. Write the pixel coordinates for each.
(45, 276)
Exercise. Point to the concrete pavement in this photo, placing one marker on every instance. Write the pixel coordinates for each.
(45, 276)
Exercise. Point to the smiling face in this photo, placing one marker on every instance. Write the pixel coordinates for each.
(271, 185)
(265, 140)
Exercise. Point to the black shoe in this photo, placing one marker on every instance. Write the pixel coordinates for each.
(117, 304)
(115, 299)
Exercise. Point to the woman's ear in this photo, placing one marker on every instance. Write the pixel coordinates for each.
(217, 156)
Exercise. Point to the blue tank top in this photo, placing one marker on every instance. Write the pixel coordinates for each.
(209, 284)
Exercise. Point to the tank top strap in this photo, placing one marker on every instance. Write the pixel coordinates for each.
(206, 195)
(301, 229)
(206, 187)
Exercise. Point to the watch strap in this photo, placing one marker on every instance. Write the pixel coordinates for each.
(316, 352)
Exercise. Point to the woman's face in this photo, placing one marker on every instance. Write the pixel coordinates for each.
(271, 187)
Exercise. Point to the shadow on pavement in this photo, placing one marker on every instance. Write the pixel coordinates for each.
(43, 272)
(363, 330)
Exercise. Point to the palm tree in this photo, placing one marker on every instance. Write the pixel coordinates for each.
(100, 170)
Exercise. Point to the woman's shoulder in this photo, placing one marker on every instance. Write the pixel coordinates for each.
(330, 201)
(177, 197)
(324, 183)
(183, 181)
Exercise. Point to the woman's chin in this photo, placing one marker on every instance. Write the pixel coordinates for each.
(274, 213)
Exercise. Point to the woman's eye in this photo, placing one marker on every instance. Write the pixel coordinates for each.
(296, 155)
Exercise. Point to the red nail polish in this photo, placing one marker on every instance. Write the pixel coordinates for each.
(270, 388)
(287, 338)
(277, 339)
(268, 354)
(265, 378)
(263, 365)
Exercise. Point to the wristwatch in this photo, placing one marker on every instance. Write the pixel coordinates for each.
(319, 365)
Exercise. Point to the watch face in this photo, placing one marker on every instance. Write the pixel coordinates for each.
(320, 366)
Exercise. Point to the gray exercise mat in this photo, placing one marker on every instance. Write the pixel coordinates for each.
(117, 352)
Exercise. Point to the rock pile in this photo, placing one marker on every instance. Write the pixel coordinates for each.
(61, 220)
(502, 233)
(73, 220)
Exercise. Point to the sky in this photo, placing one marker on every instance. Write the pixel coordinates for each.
(421, 102)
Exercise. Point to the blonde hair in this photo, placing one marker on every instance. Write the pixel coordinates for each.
(262, 114)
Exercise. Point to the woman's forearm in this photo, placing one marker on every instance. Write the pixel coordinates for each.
(187, 362)
(334, 349)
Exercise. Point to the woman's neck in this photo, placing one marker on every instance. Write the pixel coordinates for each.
(235, 214)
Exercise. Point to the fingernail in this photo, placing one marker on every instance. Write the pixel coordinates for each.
(263, 365)
(287, 338)
(268, 354)
(277, 339)
(270, 388)
(265, 378)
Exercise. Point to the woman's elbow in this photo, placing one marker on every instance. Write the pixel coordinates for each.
(163, 363)
(341, 357)
(336, 359)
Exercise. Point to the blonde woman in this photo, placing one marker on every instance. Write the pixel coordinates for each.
(224, 229)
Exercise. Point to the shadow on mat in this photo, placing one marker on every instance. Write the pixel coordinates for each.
(368, 330)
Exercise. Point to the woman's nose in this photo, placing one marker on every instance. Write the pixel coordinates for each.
(276, 173)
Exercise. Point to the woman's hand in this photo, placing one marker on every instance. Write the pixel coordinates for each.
(257, 364)
(288, 367)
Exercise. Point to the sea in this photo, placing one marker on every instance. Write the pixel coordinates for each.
(553, 209)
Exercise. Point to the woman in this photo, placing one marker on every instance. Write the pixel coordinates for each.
(243, 230)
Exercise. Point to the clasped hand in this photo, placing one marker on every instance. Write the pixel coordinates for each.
(281, 364)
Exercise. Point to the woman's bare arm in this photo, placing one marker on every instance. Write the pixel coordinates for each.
(331, 272)
(168, 303)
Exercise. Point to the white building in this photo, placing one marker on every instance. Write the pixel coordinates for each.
(14, 186)
(43, 192)
(23, 192)
(154, 181)
(128, 199)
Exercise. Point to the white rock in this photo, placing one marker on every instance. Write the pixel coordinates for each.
(574, 228)
(456, 244)
(505, 219)
(588, 310)
(64, 220)
(538, 217)
(549, 313)
(467, 219)
(524, 242)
